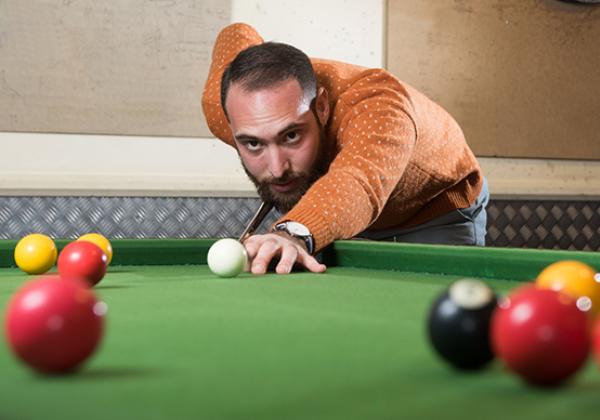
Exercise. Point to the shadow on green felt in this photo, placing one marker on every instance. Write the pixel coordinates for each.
(111, 271)
(110, 286)
(102, 373)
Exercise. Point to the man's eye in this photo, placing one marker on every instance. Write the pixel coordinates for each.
(252, 146)
(292, 136)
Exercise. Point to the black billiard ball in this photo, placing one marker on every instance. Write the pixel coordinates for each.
(458, 324)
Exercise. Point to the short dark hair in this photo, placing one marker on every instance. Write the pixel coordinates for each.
(267, 64)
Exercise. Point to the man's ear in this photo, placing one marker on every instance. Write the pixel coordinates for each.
(322, 105)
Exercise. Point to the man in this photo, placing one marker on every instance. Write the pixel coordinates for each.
(342, 151)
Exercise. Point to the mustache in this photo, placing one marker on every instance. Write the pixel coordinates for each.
(283, 179)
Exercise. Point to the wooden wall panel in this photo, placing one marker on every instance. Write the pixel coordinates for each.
(521, 77)
(132, 67)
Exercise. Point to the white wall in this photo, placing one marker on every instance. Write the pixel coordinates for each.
(50, 164)
(345, 30)
(60, 164)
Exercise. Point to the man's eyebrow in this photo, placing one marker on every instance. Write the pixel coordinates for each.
(290, 127)
(246, 138)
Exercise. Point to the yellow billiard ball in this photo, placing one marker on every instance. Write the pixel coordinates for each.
(101, 241)
(35, 253)
(576, 279)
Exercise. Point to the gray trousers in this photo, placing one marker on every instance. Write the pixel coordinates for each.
(459, 227)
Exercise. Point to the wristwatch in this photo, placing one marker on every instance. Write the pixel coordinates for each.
(297, 230)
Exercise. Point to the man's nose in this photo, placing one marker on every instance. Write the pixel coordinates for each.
(278, 162)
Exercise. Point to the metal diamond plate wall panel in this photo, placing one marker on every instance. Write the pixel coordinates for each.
(511, 223)
(127, 217)
(544, 224)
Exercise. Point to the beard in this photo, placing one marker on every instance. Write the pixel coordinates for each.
(284, 202)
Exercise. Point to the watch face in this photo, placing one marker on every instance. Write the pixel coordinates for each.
(296, 228)
(299, 231)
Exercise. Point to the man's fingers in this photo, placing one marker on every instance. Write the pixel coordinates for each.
(311, 263)
(289, 254)
(268, 249)
(252, 247)
(262, 249)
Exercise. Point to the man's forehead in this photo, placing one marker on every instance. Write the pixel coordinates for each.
(284, 101)
(286, 92)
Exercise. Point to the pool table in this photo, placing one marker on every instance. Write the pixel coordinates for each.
(350, 343)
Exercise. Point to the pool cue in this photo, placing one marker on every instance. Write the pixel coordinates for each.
(260, 215)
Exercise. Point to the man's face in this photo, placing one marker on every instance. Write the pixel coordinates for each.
(279, 139)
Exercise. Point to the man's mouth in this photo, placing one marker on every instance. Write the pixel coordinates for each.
(284, 187)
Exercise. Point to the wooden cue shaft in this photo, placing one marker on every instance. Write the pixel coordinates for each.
(260, 215)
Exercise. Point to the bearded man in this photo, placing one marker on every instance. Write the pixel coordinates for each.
(341, 151)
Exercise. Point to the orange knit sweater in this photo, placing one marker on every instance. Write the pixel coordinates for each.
(402, 160)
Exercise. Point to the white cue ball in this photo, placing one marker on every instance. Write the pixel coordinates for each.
(227, 258)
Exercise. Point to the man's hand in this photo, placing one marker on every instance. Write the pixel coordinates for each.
(262, 249)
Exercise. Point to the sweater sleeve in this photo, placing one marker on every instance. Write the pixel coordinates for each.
(376, 136)
(231, 40)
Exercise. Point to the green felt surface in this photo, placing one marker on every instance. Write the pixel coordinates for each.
(348, 344)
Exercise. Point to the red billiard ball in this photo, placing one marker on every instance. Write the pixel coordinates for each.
(84, 260)
(541, 335)
(53, 325)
